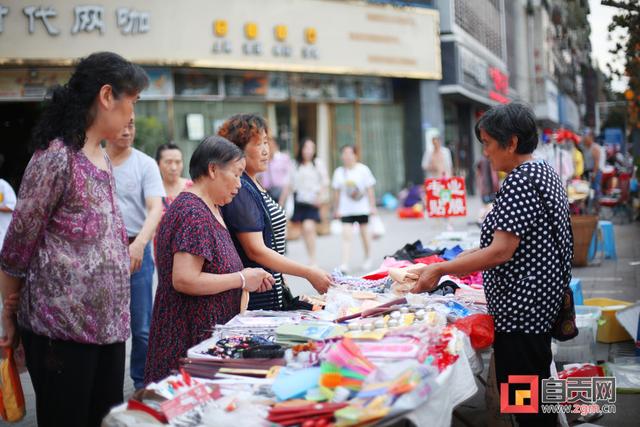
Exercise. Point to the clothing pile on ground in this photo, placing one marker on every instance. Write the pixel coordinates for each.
(373, 354)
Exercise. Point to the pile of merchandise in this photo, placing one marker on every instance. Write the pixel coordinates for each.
(374, 353)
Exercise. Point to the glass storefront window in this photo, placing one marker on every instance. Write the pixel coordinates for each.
(246, 84)
(347, 89)
(196, 83)
(376, 89)
(278, 86)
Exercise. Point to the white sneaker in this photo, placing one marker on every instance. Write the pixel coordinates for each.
(367, 264)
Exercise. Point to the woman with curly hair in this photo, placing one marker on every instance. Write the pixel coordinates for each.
(256, 222)
(66, 250)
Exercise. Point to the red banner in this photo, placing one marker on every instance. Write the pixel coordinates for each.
(446, 197)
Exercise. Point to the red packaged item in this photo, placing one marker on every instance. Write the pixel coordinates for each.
(410, 213)
(480, 329)
(311, 414)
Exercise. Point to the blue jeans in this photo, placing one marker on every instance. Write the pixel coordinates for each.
(141, 302)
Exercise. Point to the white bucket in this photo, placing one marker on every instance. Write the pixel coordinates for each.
(582, 347)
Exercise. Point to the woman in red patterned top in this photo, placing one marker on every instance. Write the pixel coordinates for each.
(200, 275)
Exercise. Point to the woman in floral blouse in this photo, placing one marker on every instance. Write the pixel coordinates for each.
(66, 248)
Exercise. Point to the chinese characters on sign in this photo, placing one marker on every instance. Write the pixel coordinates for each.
(446, 197)
(501, 85)
(43, 14)
(132, 21)
(4, 11)
(574, 395)
(252, 46)
(87, 19)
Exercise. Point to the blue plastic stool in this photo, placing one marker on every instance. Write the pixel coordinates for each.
(576, 287)
(606, 245)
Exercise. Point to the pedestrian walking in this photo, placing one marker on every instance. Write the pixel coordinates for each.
(353, 185)
(310, 187)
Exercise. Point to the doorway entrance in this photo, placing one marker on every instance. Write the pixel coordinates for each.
(17, 120)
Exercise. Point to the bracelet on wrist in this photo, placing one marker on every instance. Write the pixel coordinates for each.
(244, 281)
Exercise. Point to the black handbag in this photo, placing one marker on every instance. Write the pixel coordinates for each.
(564, 327)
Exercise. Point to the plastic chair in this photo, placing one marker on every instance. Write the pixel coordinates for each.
(576, 287)
(606, 244)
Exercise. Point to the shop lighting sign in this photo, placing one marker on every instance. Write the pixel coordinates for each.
(574, 395)
(500, 85)
(252, 46)
(446, 197)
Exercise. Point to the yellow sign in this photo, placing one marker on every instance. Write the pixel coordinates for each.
(280, 32)
(220, 27)
(251, 30)
(310, 35)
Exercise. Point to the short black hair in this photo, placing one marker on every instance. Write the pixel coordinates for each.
(213, 150)
(163, 147)
(351, 146)
(504, 121)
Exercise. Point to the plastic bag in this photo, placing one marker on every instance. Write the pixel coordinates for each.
(479, 327)
(12, 407)
(376, 226)
(336, 227)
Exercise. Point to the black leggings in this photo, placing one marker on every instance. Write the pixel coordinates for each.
(75, 384)
(517, 353)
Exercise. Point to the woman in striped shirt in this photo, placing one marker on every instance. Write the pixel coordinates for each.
(256, 222)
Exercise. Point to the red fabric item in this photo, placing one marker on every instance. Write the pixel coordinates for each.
(584, 370)
(376, 276)
(472, 279)
(479, 327)
(432, 259)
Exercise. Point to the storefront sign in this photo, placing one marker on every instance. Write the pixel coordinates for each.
(86, 19)
(500, 86)
(474, 69)
(446, 197)
(313, 36)
(477, 74)
(30, 84)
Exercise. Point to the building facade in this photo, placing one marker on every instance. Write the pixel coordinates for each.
(475, 73)
(339, 72)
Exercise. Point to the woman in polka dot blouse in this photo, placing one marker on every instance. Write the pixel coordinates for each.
(525, 249)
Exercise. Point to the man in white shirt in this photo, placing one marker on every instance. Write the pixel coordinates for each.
(7, 204)
(139, 191)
